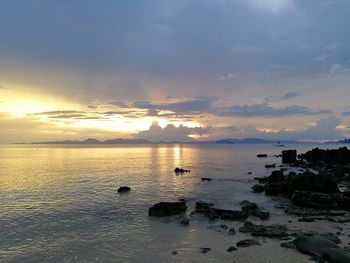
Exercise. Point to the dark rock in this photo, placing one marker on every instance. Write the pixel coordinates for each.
(289, 244)
(322, 248)
(214, 213)
(232, 231)
(205, 250)
(206, 179)
(276, 177)
(247, 243)
(261, 180)
(185, 221)
(167, 209)
(270, 165)
(271, 231)
(262, 155)
(309, 181)
(306, 219)
(289, 156)
(258, 188)
(249, 173)
(124, 189)
(181, 171)
(314, 199)
(274, 188)
(338, 156)
(231, 249)
(252, 209)
(174, 252)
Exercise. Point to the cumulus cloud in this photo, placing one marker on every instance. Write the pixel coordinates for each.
(227, 76)
(170, 133)
(282, 97)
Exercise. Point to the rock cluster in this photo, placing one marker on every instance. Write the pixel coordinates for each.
(167, 209)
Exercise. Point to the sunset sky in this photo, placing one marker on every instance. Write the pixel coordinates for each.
(174, 69)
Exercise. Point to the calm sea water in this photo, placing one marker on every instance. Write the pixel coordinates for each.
(60, 203)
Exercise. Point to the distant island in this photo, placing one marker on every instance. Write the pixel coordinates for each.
(344, 141)
(142, 141)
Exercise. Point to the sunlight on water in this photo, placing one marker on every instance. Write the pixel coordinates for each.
(59, 203)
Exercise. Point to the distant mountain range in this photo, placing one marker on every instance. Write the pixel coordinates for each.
(141, 141)
(344, 141)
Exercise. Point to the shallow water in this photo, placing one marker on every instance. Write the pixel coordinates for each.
(60, 203)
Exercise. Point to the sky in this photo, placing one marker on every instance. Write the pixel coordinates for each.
(174, 70)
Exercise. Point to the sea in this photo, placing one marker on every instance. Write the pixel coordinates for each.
(59, 203)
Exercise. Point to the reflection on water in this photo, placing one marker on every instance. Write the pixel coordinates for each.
(59, 203)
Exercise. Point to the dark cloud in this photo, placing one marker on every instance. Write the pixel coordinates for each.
(265, 110)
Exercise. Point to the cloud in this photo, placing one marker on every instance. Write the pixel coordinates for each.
(187, 106)
(227, 76)
(269, 5)
(265, 110)
(282, 97)
(334, 69)
(346, 113)
(321, 57)
(170, 133)
(331, 46)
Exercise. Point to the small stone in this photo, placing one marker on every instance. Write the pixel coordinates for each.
(205, 250)
(231, 249)
(206, 179)
(232, 231)
(185, 221)
(124, 189)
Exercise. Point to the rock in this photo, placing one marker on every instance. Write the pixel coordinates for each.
(309, 181)
(306, 219)
(181, 171)
(174, 252)
(206, 179)
(289, 156)
(231, 249)
(271, 231)
(274, 188)
(214, 213)
(314, 199)
(252, 209)
(258, 188)
(247, 243)
(232, 231)
(185, 222)
(124, 189)
(249, 173)
(262, 155)
(276, 177)
(337, 156)
(288, 245)
(322, 248)
(167, 209)
(270, 165)
(261, 180)
(205, 250)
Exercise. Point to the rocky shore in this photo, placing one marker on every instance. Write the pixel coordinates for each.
(311, 187)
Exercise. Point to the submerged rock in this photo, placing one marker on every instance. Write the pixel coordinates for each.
(206, 179)
(271, 231)
(167, 209)
(205, 250)
(252, 209)
(215, 213)
(181, 170)
(124, 189)
(247, 243)
(262, 155)
(270, 165)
